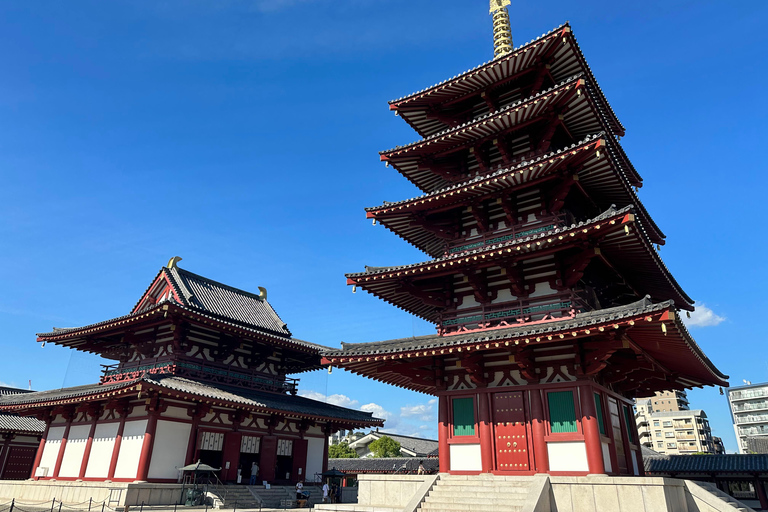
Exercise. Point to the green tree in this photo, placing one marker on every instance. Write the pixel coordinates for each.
(385, 446)
(341, 451)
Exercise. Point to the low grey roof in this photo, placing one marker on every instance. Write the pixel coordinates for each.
(418, 445)
(726, 463)
(676, 414)
(14, 423)
(245, 397)
(226, 301)
(384, 465)
(642, 306)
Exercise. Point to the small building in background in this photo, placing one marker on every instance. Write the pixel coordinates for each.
(668, 401)
(20, 438)
(675, 432)
(409, 446)
(749, 412)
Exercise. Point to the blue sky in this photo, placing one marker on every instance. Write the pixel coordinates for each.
(243, 136)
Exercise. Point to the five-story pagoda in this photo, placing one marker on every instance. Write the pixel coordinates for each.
(552, 305)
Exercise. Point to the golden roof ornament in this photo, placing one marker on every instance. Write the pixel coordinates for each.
(502, 30)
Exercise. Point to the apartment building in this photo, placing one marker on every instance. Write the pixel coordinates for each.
(674, 432)
(749, 411)
(668, 401)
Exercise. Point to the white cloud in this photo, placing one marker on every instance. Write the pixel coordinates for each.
(703, 317)
(340, 400)
(391, 420)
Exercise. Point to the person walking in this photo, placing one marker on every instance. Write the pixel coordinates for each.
(325, 492)
(299, 490)
(254, 473)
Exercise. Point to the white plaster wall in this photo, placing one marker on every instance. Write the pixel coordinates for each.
(74, 451)
(607, 457)
(466, 457)
(568, 456)
(169, 449)
(51, 450)
(130, 449)
(176, 412)
(314, 457)
(101, 450)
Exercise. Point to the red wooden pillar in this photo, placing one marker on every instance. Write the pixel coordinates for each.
(269, 458)
(62, 447)
(89, 444)
(591, 429)
(442, 434)
(146, 447)
(486, 436)
(192, 443)
(116, 448)
(760, 490)
(539, 431)
(41, 447)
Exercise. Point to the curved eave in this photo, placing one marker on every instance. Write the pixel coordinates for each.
(603, 177)
(66, 337)
(582, 119)
(559, 44)
(676, 350)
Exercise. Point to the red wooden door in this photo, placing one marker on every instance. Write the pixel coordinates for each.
(299, 460)
(18, 464)
(510, 432)
(618, 440)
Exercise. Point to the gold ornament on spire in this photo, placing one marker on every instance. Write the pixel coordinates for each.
(502, 31)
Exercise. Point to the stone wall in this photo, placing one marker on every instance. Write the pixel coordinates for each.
(615, 493)
(115, 493)
(393, 491)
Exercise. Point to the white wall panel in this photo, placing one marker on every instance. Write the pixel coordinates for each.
(130, 449)
(314, 457)
(607, 457)
(74, 451)
(466, 457)
(169, 449)
(101, 450)
(51, 450)
(569, 456)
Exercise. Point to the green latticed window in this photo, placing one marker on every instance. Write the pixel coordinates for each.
(463, 417)
(628, 420)
(599, 410)
(562, 412)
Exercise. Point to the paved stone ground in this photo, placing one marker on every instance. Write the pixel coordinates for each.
(22, 506)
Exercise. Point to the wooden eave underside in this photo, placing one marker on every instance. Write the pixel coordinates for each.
(100, 337)
(602, 179)
(630, 254)
(559, 48)
(149, 389)
(581, 118)
(662, 359)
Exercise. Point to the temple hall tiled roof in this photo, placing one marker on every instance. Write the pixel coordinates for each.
(7, 390)
(15, 423)
(226, 301)
(237, 397)
(418, 446)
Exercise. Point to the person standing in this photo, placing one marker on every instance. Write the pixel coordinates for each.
(421, 468)
(299, 490)
(254, 473)
(325, 492)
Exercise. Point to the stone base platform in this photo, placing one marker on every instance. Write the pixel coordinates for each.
(540, 493)
(116, 494)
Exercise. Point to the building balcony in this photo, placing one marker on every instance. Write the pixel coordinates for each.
(741, 420)
(748, 394)
(686, 438)
(684, 426)
(754, 406)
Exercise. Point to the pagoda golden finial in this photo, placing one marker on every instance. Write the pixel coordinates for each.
(502, 31)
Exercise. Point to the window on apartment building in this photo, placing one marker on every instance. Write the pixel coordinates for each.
(656, 423)
(671, 445)
(669, 434)
(660, 444)
(658, 433)
(667, 423)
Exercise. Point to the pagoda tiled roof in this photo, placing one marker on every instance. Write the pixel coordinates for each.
(568, 60)
(631, 253)
(600, 316)
(8, 390)
(696, 464)
(582, 118)
(672, 347)
(395, 215)
(194, 390)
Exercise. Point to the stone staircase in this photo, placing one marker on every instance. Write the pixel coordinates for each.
(477, 493)
(238, 495)
(272, 497)
(729, 502)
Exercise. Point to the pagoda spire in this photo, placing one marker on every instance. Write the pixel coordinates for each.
(502, 31)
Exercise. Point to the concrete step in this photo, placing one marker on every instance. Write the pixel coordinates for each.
(484, 483)
(473, 508)
(497, 501)
(474, 491)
